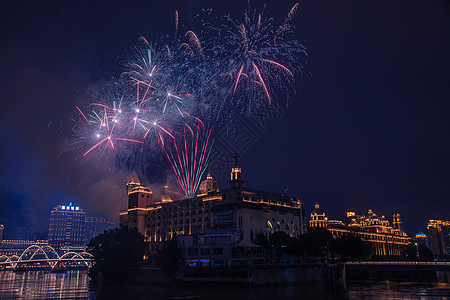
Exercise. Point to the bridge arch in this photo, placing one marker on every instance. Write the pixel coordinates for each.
(39, 249)
(73, 257)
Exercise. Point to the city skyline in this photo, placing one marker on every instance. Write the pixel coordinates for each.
(367, 128)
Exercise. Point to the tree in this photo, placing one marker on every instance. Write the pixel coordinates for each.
(114, 250)
(418, 252)
(316, 242)
(169, 257)
(351, 247)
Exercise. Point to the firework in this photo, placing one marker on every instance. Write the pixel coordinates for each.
(213, 72)
(188, 156)
(256, 59)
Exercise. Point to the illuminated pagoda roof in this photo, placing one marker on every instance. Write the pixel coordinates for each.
(134, 179)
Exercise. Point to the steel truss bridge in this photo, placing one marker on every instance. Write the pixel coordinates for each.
(45, 256)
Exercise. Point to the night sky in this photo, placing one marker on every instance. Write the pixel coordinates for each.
(369, 126)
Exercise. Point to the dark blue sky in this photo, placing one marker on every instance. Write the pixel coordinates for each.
(368, 128)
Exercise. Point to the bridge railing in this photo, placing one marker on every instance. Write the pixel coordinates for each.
(399, 263)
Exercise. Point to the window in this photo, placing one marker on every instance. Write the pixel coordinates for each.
(224, 218)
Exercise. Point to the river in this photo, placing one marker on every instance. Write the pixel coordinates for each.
(74, 285)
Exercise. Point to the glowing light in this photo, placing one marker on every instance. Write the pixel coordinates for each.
(154, 123)
(109, 137)
(98, 135)
(137, 110)
(63, 207)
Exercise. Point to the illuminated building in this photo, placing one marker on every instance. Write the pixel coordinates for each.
(421, 239)
(1, 232)
(255, 212)
(397, 223)
(16, 247)
(237, 209)
(67, 226)
(439, 237)
(318, 218)
(159, 220)
(95, 226)
(384, 239)
(217, 248)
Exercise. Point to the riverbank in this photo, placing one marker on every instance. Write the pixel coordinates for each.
(240, 276)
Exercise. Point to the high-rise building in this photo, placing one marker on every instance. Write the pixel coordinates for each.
(95, 226)
(439, 237)
(1, 232)
(67, 226)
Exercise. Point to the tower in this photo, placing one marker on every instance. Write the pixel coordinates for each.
(397, 224)
(139, 199)
(133, 182)
(318, 218)
(236, 174)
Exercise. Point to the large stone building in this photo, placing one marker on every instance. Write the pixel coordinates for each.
(67, 226)
(237, 209)
(439, 237)
(384, 239)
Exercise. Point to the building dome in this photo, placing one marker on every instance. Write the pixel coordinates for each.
(208, 185)
(317, 210)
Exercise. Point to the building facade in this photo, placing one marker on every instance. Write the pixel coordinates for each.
(236, 209)
(16, 247)
(384, 239)
(439, 237)
(67, 227)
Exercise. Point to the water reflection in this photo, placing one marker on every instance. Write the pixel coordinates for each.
(398, 290)
(43, 285)
(74, 285)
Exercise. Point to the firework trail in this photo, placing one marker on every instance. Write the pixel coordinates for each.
(188, 157)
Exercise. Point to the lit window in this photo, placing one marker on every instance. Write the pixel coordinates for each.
(77, 208)
(72, 208)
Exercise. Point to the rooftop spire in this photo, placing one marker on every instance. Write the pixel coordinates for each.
(134, 179)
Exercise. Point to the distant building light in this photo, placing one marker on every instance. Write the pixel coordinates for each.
(77, 208)
(72, 208)
(63, 207)
(70, 204)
